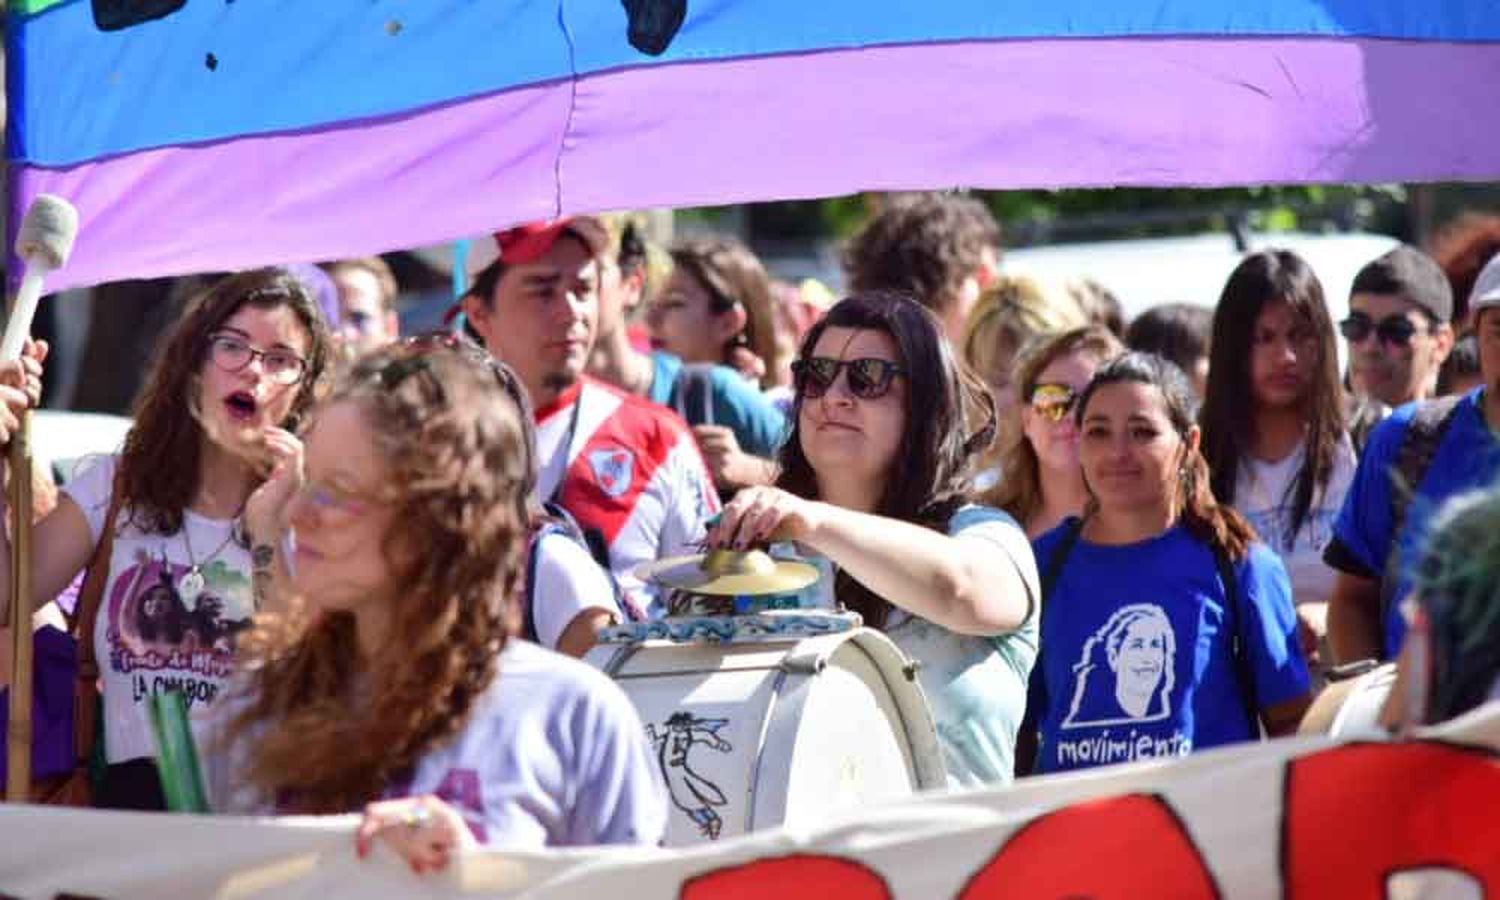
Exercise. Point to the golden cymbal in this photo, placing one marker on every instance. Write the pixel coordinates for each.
(729, 573)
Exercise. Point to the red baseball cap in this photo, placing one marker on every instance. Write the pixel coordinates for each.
(530, 242)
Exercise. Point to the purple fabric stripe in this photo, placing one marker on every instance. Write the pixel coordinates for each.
(410, 181)
(1010, 114)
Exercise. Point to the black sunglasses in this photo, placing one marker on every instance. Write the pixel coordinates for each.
(1396, 330)
(869, 378)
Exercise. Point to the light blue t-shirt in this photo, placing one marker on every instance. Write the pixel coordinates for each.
(1137, 661)
(975, 685)
(1467, 457)
(732, 402)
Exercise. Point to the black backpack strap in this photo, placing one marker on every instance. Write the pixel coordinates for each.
(1243, 672)
(592, 540)
(1424, 434)
(1419, 445)
(1053, 569)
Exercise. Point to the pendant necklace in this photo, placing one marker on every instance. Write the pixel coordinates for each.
(192, 582)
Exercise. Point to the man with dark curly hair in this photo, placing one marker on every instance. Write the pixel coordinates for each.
(944, 248)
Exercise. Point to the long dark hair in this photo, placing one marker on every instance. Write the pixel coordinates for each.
(731, 274)
(930, 480)
(159, 462)
(1262, 279)
(1203, 516)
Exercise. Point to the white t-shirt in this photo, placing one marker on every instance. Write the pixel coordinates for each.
(553, 755)
(1263, 493)
(568, 582)
(153, 632)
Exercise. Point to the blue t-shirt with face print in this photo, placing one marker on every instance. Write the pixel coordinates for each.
(1136, 659)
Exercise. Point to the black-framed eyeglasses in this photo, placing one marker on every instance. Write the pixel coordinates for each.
(1052, 401)
(232, 354)
(869, 377)
(1396, 329)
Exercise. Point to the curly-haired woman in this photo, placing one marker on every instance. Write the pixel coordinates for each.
(215, 416)
(394, 684)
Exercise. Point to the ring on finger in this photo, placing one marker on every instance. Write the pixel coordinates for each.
(417, 817)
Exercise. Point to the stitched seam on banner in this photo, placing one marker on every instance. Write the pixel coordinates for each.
(562, 140)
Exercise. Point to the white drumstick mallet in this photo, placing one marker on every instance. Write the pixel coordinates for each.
(43, 243)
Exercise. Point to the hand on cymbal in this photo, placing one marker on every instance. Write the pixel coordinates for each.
(760, 515)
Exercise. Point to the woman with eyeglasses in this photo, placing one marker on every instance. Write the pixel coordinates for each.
(215, 417)
(1166, 627)
(396, 686)
(1041, 483)
(1273, 425)
(874, 479)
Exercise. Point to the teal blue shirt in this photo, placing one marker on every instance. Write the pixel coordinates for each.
(731, 401)
(975, 685)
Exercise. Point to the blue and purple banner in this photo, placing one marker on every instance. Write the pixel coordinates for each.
(214, 134)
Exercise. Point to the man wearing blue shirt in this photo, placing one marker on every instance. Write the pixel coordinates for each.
(1373, 551)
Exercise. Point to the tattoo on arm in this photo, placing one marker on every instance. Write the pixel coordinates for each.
(261, 558)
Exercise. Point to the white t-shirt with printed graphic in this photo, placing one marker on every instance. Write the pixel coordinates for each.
(1263, 494)
(151, 636)
(553, 754)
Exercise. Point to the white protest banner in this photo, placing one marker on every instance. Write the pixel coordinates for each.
(1293, 819)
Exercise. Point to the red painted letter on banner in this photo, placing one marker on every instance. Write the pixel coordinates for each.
(1120, 847)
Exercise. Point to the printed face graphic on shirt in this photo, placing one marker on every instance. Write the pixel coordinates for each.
(152, 625)
(1126, 670)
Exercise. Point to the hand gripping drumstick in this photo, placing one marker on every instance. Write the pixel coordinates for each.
(43, 243)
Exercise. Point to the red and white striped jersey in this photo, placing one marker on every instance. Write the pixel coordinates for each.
(631, 473)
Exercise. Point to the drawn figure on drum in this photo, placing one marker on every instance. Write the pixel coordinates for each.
(1139, 650)
(691, 792)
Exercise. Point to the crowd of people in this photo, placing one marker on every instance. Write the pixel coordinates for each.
(365, 559)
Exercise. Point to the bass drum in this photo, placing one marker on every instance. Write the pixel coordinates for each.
(777, 730)
(1350, 708)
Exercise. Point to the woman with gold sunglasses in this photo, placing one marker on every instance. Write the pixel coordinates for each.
(1041, 483)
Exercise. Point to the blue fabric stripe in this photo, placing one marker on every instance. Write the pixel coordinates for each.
(216, 69)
